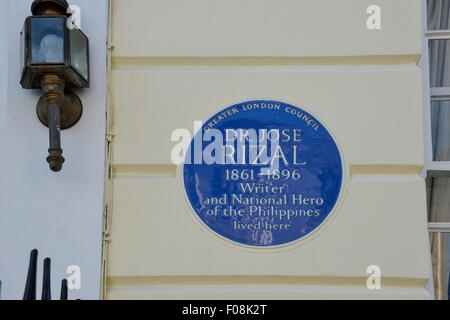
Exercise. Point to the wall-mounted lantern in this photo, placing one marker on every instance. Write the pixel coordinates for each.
(54, 58)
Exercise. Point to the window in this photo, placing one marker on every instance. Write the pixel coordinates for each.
(437, 142)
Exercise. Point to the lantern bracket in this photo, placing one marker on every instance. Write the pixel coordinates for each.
(70, 111)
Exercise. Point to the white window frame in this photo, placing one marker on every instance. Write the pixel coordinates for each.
(432, 168)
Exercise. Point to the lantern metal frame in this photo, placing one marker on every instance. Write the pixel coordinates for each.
(32, 72)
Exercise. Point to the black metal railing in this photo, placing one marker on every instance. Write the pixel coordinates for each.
(30, 286)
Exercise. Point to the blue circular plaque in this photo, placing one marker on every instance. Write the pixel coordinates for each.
(263, 173)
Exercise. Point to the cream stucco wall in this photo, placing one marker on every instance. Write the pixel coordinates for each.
(174, 62)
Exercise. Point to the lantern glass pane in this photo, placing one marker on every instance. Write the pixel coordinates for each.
(23, 38)
(79, 53)
(47, 41)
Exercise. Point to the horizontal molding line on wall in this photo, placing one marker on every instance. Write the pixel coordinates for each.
(157, 170)
(388, 60)
(288, 281)
(385, 169)
(169, 170)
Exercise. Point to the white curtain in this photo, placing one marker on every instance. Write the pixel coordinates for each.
(439, 19)
(440, 124)
(438, 14)
(439, 51)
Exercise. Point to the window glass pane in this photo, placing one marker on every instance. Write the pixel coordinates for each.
(440, 258)
(439, 199)
(440, 126)
(438, 14)
(439, 63)
(47, 41)
(78, 53)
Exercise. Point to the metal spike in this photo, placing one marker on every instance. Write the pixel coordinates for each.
(63, 290)
(30, 286)
(46, 291)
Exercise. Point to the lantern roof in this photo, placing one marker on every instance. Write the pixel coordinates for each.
(39, 7)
